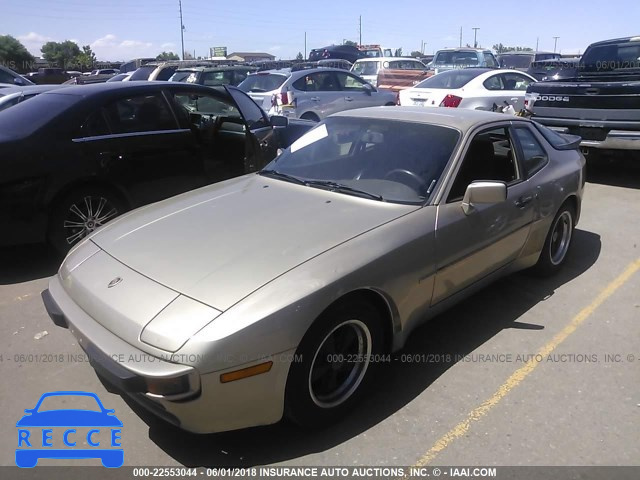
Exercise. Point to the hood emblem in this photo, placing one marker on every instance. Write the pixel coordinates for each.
(114, 282)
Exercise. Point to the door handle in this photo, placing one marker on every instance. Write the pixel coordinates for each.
(349, 99)
(515, 99)
(315, 99)
(524, 201)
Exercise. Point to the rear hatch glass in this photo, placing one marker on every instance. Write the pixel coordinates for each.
(262, 82)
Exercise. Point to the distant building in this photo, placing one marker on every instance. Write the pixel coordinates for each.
(250, 56)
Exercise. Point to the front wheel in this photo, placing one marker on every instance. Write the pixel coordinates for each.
(557, 243)
(335, 366)
(79, 213)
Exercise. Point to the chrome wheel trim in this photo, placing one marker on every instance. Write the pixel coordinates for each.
(349, 361)
(560, 237)
(85, 216)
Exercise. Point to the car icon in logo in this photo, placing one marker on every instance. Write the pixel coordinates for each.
(44, 433)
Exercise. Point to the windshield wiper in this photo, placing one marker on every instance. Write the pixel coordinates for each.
(339, 187)
(284, 176)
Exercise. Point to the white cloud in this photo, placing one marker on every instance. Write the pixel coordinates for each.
(33, 42)
(168, 46)
(111, 48)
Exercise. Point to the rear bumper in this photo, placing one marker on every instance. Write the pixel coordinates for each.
(619, 135)
(211, 406)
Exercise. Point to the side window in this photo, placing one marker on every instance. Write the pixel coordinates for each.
(325, 82)
(490, 60)
(513, 81)
(534, 157)
(349, 82)
(494, 83)
(252, 113)
(203, 104)
(144, 113)
(489, 157)
(213, 79)
(95, 125)
(304, 84)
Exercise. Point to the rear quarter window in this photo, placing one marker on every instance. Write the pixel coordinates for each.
(262, 82)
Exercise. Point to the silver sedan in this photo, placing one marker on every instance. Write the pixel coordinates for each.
(279, 293)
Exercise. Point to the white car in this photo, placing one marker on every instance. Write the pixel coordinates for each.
(473, 88)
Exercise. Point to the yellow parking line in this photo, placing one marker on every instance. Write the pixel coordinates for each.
(519, 375)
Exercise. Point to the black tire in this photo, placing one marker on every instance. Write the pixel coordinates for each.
(557, 243)
(335, 364)
(79, 213)
(310, 116)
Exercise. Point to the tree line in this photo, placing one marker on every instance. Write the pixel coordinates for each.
(67, 55)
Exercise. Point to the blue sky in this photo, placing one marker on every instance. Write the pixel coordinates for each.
(122, 29)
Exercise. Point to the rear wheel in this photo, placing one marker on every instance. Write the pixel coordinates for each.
(335, 367)
(557, 243)
(79, 213)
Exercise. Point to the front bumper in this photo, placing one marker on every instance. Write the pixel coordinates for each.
(209, 406)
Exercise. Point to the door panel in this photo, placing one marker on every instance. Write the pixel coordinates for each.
(470, 247)
(260, 140)
(155, 158)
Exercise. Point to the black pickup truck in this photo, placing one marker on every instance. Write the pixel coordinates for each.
(601, 103)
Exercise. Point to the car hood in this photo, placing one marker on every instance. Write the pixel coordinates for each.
(219, 243)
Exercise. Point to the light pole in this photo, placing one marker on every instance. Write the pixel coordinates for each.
(555, 43)
(181, 28)
(475, 34)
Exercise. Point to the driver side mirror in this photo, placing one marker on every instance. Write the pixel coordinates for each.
(483, 192)
(368, 89)
(279, 121)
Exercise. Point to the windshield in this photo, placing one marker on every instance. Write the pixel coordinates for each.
(366, 68)
(619, 57)
(389, 160)
(451, 79)
(456, 58)
(516, 61)
(375, 52)
(262, 82)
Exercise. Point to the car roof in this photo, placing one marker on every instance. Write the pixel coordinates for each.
(634, 38)
(520, 52)
(554, 61)
(386, 59)
(106, 87)
(29, 89)
(458, 118)
(216, 69)
(464, 49)
(315, 70)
